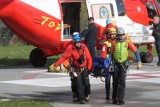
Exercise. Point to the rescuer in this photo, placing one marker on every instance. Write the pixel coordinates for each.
(81, 62)
(120, 59)
(105, 54)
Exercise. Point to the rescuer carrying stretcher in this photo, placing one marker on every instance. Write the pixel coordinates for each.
(106, 50)
(119, 52)
(81, 63)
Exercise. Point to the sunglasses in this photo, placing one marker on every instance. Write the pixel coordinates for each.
(120, 34)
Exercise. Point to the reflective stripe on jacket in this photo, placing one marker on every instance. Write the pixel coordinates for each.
(106, 49)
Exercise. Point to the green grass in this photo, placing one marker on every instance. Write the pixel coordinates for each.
(13, 55)
(19, 54)
(144, 49)
(15, 51)
(24, 103)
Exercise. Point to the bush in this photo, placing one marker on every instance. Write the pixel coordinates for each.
(7, 37)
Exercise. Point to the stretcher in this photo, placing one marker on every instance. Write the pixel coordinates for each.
(101, 67)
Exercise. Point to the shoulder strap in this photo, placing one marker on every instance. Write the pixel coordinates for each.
(81, 51)
(127, 44)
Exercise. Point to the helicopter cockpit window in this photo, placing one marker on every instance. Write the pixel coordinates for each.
(120, 7)
(151, 9)
(102, 11)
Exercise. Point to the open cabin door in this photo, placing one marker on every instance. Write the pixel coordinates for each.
(74, 16)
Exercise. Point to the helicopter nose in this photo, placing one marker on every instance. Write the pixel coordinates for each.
(5, 9)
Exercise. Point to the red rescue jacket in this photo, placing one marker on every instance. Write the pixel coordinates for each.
(73, 54)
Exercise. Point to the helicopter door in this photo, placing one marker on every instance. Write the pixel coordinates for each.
(100, 10)
(71, 12)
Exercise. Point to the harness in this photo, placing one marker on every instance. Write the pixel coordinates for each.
(75, 71)
(76, 64)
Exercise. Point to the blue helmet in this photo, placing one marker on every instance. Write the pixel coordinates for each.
(76, 37)
(108, 21)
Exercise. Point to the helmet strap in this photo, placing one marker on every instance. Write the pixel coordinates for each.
(78, 48)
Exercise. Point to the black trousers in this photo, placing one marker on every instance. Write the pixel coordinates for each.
(108, 83)
(81, 85)
(119, 81)
(91, 48)
(74, 85)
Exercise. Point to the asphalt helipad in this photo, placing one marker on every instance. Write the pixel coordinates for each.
(143, 86)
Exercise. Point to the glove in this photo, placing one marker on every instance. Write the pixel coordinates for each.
(130, 61)
(139, 65)
(88, 72)
(51, 68)
(62, 68)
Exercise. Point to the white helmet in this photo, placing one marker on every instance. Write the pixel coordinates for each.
(75, 33)
(120, 31)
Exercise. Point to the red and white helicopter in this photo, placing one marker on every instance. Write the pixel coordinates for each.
(48, 24)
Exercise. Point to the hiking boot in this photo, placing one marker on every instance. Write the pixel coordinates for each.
(82, 101)
(121, 102)
(115, 102)
(75, 100)
(107, 97)
(158, 64)
(87, 98)
(74, 95)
